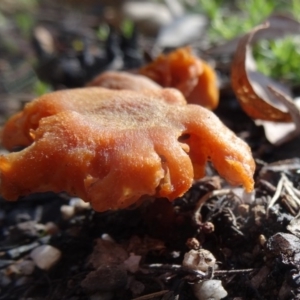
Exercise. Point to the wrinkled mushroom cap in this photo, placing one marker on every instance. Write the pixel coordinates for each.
(123, 81)
(184, 71)
(113, 147)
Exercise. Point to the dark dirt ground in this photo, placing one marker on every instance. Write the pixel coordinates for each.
(254, 238)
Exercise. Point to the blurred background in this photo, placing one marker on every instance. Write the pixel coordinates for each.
(54, 44)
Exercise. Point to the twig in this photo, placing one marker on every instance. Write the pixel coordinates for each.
(152, 295)
(268, 186)
(276, 195)
(284, 184)
(202, 200)
(198, 274)
(233, 272)
(290, 189)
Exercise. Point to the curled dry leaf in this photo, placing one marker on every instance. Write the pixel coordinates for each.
(111, 147)
(251, 87)
(279, 133)
(184, 71)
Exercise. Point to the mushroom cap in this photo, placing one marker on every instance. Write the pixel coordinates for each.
(117, 80)
(111, 148)
(182, 70)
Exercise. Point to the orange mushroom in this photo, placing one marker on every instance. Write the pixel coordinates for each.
(117, 80)
(112, 147)
(186, 72)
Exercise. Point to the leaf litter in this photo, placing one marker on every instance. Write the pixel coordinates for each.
(262, 98)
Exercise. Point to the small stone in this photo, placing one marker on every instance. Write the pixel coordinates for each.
(149, 16)
(193, 243)
(107, 237)
(283, 244)
(262, 240)
(45, 256)
(259, 213)
(132, 263)
(209, 290)
(200, 260)
(79, 204)
(67, 212)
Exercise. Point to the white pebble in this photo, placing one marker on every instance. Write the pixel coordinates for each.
(45, 256)
(199, 260)
(132, 263)
(107, 237)
(67, 211)
(209, 290)
(79, 204)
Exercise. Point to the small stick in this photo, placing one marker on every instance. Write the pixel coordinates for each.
(290, 189)
(202, 200)
(199, 274)
(152, 295)
(276, 195)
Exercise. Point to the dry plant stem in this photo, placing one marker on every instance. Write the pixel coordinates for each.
(276, 195)
(293, 110)
(200, 275)
(251, 87)
(197, 211)
(267, 185)
(291, 190)
(284, 185)
(234, 225)
(152, 295)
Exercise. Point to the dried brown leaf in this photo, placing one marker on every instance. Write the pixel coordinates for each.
(252, 87)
